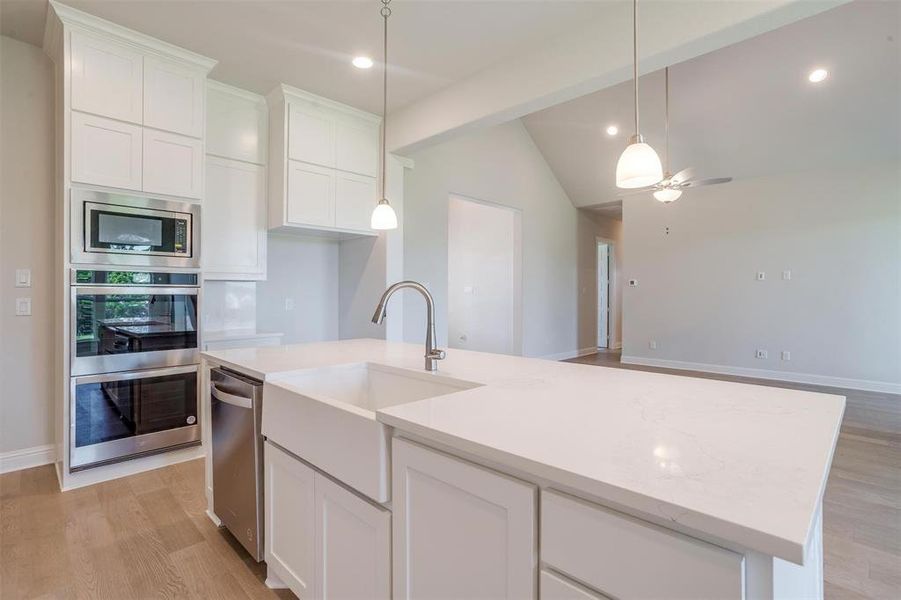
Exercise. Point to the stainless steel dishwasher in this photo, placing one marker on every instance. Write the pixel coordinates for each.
(236, 414)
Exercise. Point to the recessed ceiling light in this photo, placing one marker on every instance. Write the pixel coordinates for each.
(362, 62)
(612, 130)
(817, 75)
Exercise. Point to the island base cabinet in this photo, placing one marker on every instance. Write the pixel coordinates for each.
(460, 531)
(353, 545)
(289, 499)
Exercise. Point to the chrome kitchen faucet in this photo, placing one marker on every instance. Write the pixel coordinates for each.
(432, 354)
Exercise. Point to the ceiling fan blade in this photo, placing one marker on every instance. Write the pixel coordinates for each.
(683, 175)
(644, 190)
(700, 182)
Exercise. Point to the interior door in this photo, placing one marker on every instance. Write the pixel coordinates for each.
(603, 294)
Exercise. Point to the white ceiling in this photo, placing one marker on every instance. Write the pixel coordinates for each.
(309, 44)
(746, 110)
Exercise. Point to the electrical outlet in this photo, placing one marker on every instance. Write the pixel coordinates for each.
(761, 354)
(633, 283)
(652, 344)
(786, 355)
(761, 275)
(23, 307)
(289, 304)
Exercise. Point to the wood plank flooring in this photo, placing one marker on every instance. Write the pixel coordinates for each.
(862, 505)
(147, 536)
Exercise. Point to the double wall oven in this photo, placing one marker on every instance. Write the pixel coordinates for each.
(134, 336)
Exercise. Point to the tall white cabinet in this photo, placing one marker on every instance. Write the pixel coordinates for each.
(234, 210)
(323, 164)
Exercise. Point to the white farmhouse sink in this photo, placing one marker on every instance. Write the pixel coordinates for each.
(326, 416)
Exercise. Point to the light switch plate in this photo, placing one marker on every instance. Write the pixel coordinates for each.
(23, 307)
(23, 278)
(786, 275)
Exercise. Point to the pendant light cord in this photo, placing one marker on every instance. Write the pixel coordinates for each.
(635, 58)
(666, 117)
(385, 12)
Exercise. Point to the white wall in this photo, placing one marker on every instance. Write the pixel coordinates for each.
(501, 165)
(26, 217)
(484, 277)
(838, 231)
(304, 269)
(591, 227)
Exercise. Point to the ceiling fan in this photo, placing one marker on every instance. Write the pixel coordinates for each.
(670, 187)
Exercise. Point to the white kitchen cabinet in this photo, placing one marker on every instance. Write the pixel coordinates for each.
(614, 554)
(460, 531)
(237, 123)
(353, 545)
(289, 517)
(173, 164)
(311, 194)
(311, 134)
(355, 197)
(173, 96)
(107, 77)
(234, 220)
(357, 146)
(106, 152)
(557, 587)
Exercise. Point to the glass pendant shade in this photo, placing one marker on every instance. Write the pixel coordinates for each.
(638, 166)
(667, 195)
(383, 216)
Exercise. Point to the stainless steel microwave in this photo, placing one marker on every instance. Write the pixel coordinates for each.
(118, 229)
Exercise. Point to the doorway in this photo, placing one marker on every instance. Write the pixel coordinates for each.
(604, 261)
(484, 276)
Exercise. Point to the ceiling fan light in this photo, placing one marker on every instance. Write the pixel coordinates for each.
(667, 195)
(638, 166)
(383, 216)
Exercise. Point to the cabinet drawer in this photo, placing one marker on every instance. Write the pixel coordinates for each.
(627, 558)
(555, 587)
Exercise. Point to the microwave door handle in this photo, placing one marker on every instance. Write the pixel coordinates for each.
(222, 396)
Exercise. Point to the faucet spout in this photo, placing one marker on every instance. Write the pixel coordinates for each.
(432, 353)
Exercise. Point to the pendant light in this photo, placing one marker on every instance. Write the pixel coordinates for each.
(667, 193)
(383, 216)
(639, 165)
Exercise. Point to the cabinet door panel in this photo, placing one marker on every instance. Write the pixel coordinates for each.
(236, 126)
(460, 531)
(290, 504)
(106, 152)
(234, 220)
(311, 195)
(555, 587)
(173, 164)
(173, 97)
(106, 78)
(357, 147)
(354, 201)
(311, 135)
(353, 545)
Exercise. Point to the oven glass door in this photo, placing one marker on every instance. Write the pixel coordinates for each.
(120, 415)
(123, 328)
(118, 229)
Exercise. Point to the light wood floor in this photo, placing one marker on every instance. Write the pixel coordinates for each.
(862, 506)
(147, 536)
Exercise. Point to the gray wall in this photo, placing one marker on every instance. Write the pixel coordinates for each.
(26, 241)
(838, 231)
(501, 165)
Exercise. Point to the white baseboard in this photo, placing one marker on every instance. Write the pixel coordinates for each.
(570, 354)
(616, 346)
(885, 387)
(26, 458)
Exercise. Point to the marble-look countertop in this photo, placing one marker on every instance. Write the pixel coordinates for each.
(741, 463)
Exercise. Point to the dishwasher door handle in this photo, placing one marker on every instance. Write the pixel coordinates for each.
(222, 396)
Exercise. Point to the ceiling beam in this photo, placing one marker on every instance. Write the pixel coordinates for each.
(588, 59)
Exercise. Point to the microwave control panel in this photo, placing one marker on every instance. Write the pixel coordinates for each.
(181, 236)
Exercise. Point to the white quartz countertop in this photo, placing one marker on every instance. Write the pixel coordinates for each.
(740, 463)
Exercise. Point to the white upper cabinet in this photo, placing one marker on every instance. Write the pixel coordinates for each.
(107, 78)
(173, 96)
(173, 164)
(357, 146)
(234, 220)
(106, 152)
(311, 134)
(323, 161)
(460, 531)
(236, 124)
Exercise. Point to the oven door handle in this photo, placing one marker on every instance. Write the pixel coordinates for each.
(222, 396)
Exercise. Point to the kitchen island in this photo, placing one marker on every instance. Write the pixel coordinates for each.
(502, 476)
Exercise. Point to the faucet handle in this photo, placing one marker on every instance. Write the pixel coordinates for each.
(437, 354)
